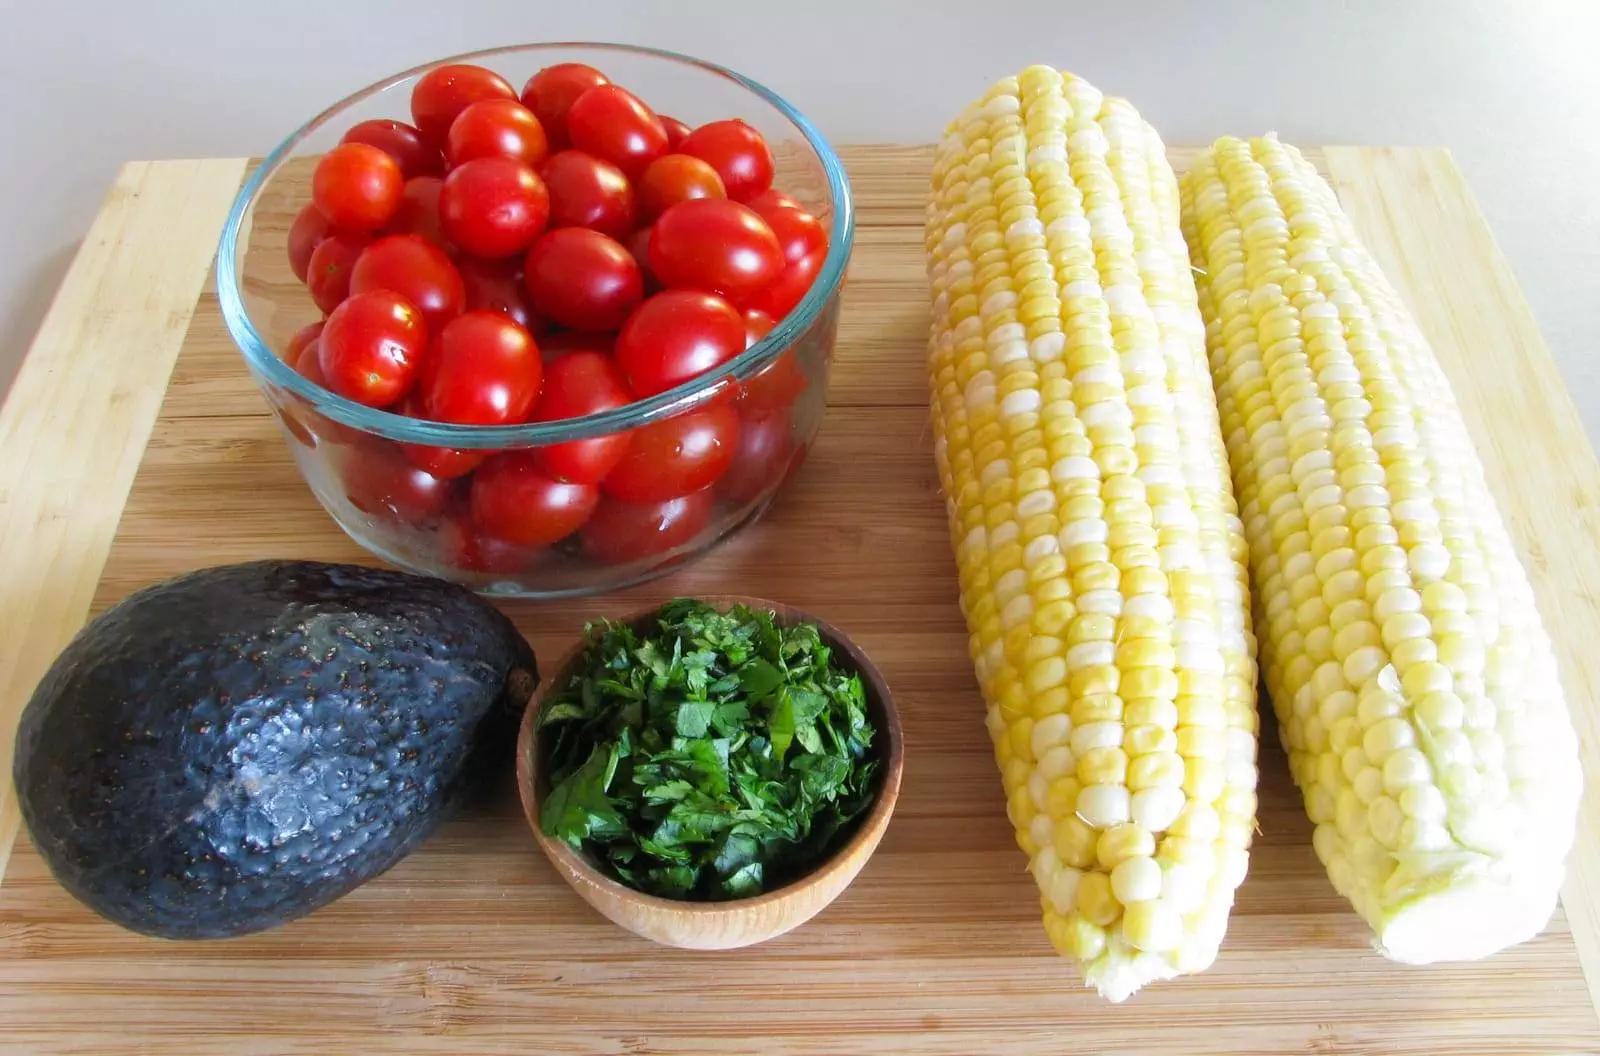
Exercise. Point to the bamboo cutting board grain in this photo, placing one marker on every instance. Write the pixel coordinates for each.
(473, 945)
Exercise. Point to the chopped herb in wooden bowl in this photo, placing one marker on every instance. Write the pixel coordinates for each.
(715, 757)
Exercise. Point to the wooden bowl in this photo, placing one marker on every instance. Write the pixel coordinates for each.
(739, 922)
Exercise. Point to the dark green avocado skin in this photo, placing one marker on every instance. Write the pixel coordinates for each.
(234, 748)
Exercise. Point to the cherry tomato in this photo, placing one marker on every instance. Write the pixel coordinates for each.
(582, 279)
(308, 362)
(551, 92)
(493, 128)
(639, 248)
(676, 456)
(714, 245)
(419, 211)
(463, 546)
(612, 124)
(328, 277)
(493, 207)
(580, 383)
(415, 155)
(674, 336)
(621, 532)
(779, 383)
(483, 370)
(372, 346)
(770, 201)
(496, 286)
(677, 131)
(380, 482)
(446, 463)
(760, 457)
(512, 499)
(779, 299)
(588, 192)
(737, 152)
(559, 344)
(674, 178)
(445, 91)
(357, 187)
(757, 324)
(417, 270)
(305, 235)
(776, 386)
(299, 342)
(799, 234)
(306, 420)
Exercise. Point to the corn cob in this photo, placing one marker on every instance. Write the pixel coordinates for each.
(1415, 689)
(1101, 558)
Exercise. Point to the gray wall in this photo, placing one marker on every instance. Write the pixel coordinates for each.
(1513, 89)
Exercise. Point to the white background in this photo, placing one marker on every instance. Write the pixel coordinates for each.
(1512, 88)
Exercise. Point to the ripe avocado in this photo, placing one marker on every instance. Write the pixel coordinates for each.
(234, 748)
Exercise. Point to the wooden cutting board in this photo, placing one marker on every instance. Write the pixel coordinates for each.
(473, 944)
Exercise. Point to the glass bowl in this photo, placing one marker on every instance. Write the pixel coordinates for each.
(762, 408)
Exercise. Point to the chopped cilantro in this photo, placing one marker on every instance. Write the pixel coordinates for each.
(716, 758)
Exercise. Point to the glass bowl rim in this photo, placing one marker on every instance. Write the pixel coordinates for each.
(691, 394)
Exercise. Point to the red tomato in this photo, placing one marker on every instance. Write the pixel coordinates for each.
(757, 324)
(622, 532)
(484, 369)
(300, 341)
(328, 277)
(737, 152)
(380, 482)
(639, 248)
(676, 456)
(779, 299)
(402, 142)
(305, 420)
(559, 344)
(493, 207)
(371, 347)
(799, 233)
(445, 91)
(305, 235)
(588, 192)
(446, 463)
(714, 245)
(770, 201)
(463, 546)
(779, 383)
(760, 458)
(417, 270)
(674, 336)
(611, 123)
(419, 211)
(674, 178)
(576, 384)
(582, 279)
(496, 286)
(357, 187)
(512, 499)
(492, 128)
(551, 92)
(677, 131)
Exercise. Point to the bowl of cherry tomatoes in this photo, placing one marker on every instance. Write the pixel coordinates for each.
(546, 319)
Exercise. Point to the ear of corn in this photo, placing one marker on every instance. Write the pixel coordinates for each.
(1414, 686)
(1101, 557)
